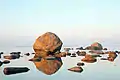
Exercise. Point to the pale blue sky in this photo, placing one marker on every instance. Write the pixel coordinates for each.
(94, 19)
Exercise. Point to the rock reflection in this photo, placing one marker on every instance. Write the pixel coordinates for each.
(48, 66)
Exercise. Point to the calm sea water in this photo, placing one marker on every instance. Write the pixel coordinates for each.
(100, 70)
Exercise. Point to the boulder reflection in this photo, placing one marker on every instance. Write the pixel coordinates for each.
(48, 66)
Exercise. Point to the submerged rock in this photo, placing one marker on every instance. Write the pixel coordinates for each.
(76, 69)
(47, 44)
(49, 67)
(88, 58)
(15, 70)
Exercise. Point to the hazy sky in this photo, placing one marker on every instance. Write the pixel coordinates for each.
(93, 19)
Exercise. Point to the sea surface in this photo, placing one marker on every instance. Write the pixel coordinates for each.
(100, 70)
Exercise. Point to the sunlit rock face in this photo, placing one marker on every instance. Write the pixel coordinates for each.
(48, 43)
(49, 67)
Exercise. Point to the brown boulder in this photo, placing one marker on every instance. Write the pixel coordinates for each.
(95, 46)
(47, 44)
(88, 58)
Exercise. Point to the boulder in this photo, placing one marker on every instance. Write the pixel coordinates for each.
(76, 69)
(47, 44)
(95, 46)
(88, 58)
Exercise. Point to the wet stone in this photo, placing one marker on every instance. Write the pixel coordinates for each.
(15, 70)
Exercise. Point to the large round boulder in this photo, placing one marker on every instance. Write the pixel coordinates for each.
(47, 44)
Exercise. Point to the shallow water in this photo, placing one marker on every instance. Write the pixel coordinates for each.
(100, 70)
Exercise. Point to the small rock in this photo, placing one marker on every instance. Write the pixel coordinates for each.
(9, 57)
(68, 54)
(105, 49)
(33, 53)
(6, 62)
(88, 58)
(82, 53)
(73, 56)
(76, 69)
(15, 70)
(27, 54)
(80, 64)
